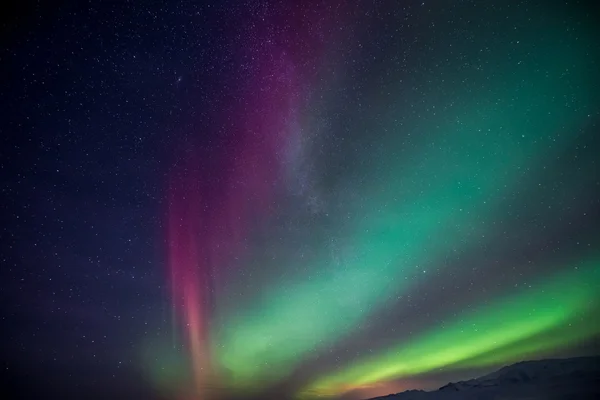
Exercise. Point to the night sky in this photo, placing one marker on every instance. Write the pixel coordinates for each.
(294, 199)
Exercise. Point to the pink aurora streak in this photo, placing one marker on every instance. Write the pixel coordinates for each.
(210, 207)
(209, 212)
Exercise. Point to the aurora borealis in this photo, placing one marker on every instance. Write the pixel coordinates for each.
(490, 331)
(301, 200)
(405, 208)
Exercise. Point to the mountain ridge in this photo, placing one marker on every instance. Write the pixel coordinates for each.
(555, 379)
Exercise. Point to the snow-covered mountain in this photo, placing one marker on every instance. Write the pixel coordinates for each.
(556, 379)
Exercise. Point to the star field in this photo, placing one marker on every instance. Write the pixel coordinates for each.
(303, 200)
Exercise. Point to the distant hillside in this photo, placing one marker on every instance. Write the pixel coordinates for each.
(557, 379)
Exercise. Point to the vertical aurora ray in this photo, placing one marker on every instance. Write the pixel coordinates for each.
(188, 276)
(211, 209)
(206, 226)
(515, 320)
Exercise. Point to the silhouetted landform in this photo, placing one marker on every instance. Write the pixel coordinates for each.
(555, 379)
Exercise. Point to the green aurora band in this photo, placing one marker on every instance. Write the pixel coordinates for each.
(502, 331)
(410, 216)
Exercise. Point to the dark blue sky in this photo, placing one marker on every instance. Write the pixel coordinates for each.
(98, 100)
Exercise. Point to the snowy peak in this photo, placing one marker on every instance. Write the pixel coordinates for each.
(535, 371)
(554, 379)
